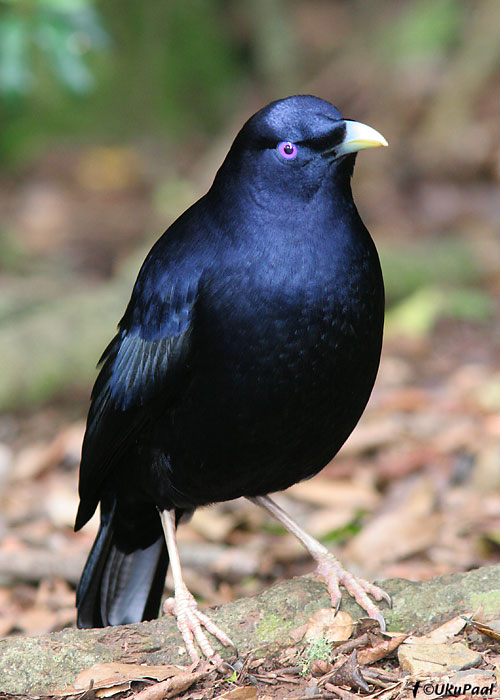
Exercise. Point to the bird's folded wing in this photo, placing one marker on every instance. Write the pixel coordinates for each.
(140, 371)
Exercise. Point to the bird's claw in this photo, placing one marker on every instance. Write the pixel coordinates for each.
(190, 622)
(331, 571)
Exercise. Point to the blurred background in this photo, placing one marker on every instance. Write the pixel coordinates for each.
(114, 116)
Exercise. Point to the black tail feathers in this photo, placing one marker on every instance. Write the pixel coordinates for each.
(124, 576)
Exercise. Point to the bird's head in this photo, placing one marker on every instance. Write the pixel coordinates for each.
(294, 145)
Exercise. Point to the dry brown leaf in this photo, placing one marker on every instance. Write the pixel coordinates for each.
(111, 674)
(213, 524)
(8, 622)
(442, 633)
(482, 628)
(36, 620)
(247, 692)
(330, 492)
(40, 457)
(169, 688)
(388, 693)
(34, 460)
(298, 633)
(408, 527)
(328, 625)
(372, 435)
(112, 690)
(341, 692)
(384, 648)
(325, 520)
(362, 640)
(319, 667)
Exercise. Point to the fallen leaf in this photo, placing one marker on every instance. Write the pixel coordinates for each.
(362, 640)
(330, 492)
(328, 625)
(213, 524)
(326, 520)
(111, 690)
(380, 650)
(372, 435)
(169, 688)
(442, 633)
(409, 526)
(341, 692)
(482, 628)
(111, 674)
(8, 622)
(298, 633)
(247, 692)
(319, 667)
(40, 457)
(394, 691)
(36, 620)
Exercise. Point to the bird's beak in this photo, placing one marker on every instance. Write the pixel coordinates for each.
(358, 137)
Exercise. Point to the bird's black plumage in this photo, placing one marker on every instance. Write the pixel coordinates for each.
(244, 359)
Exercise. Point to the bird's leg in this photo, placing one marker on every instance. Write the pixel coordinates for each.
(329, 568)
(185, 608)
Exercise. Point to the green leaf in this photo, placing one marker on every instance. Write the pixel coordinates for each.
(54, 41)
(15, 75)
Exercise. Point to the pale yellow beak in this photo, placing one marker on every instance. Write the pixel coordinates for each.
(358, 137)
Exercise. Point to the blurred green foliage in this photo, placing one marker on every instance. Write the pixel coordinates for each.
(410, 266)
(426, 28)
(56, 33)
(343, 534)
(417, 314)
(46, 53)
(111, 69)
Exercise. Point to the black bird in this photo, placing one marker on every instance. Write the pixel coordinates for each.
(245, 357)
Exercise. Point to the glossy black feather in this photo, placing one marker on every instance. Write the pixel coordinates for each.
(251, 342)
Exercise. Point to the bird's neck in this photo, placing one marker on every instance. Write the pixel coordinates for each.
(261, 216)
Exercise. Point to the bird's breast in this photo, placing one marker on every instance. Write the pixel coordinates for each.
(293, 313)
(281, 348)
(282, 368)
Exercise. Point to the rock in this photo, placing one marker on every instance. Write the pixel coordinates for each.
(476, 679)
(436, 659)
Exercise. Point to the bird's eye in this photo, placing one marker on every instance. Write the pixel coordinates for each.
(287, 150)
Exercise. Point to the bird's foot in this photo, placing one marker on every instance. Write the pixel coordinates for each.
(331, 571)
(190, 622)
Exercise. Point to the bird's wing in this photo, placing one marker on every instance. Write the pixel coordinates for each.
(140, 371)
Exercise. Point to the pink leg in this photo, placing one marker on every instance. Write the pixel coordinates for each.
(329, 568)
(185, 608)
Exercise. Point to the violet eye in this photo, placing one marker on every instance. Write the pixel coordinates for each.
(287, 150)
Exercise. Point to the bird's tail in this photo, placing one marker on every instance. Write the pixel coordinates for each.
(125, 572)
